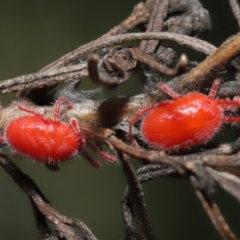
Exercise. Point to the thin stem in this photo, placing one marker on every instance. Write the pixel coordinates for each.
(194, 43)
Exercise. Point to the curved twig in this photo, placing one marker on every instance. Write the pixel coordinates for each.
(62, 224)
(194, 43)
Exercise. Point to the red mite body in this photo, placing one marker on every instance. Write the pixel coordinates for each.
(185, 121)
(43, 139)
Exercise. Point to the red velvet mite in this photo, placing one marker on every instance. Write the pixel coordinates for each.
(49, 140)
(43, 139)
(185, 121)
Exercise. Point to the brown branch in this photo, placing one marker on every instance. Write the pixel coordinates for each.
(62, 224)
(144, 174)
(138, 16)
(92, 47)
(136, 194)
(155, 24)
(117, 66)
(211, 66)
(227, 181)
(63, 74)
(42, 79)
(202, 181)
(215, 216)
(41, 224)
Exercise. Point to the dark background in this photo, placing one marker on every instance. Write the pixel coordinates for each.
(35, 33)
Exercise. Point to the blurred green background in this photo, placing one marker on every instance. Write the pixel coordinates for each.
(35, 33)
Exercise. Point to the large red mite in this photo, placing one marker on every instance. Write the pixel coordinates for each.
(185, 121)
(49, 140)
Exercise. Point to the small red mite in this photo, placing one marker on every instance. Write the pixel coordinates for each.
(49, 140)
(185, 121)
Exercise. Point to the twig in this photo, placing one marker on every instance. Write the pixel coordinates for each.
(194, 43)
(117, 66)
(138, 16)
(63, 74)
(42, 79)
(144, 174)
(62, 224)
(42, 228)
(128, 218)
(155, 24)
(236, 10)
(215, 216)
(227, 181)
(208, 69)
(137, 200)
